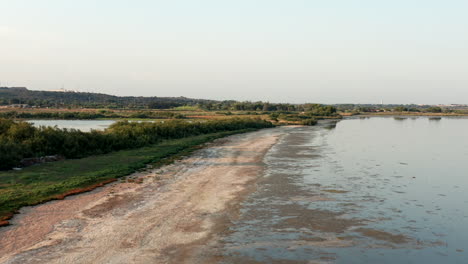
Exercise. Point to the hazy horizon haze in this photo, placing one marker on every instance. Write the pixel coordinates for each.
(279, 51)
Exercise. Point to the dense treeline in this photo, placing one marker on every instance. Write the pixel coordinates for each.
(89, 115)
(306, 118)
(19, 140)
(366, 108)
(312, 109)
(23, 96)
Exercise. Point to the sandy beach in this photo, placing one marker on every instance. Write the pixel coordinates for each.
(172, 214)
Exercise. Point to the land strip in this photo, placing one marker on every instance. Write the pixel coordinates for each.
(173, 215)
(50, 181)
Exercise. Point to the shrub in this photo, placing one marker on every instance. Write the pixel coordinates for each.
(309, 122)
(20, 140)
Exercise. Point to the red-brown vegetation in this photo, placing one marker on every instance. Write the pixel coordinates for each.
(4, 220)
(82, 190)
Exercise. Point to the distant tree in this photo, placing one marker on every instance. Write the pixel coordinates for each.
(309, 122)
(400, 109)
(14, 101)
(434, 109)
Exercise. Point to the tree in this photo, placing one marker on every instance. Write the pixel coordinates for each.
(434, 109)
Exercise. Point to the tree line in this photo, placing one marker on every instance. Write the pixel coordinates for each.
(19, 140)
(89, 115)
(13, 96)
(21, 95)
(316, 109)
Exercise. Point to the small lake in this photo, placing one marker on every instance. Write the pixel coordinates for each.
(365, 190)
(83, 125)
(86, 125)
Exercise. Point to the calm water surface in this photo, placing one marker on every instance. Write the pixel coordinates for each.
(83, 125)
(372, 190)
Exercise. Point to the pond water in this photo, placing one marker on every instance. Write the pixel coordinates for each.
(371, 190)
(83, 125)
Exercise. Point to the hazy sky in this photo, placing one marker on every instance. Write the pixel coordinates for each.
(329, 51)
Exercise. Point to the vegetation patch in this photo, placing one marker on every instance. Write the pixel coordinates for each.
(21, 140)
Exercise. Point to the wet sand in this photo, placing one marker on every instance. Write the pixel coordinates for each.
(175, 214)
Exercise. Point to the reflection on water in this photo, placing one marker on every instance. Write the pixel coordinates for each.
(378, 190)
(83, 125)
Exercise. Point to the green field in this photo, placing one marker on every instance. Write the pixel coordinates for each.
(40, 183)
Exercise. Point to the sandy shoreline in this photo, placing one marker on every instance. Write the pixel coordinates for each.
(174, 216)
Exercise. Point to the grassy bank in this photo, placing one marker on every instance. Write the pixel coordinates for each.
(49, 181)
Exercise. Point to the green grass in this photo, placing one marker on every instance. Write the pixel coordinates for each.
(45, 182)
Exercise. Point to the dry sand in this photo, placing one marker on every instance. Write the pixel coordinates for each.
(174, 216)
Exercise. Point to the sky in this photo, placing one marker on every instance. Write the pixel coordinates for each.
(296, 51)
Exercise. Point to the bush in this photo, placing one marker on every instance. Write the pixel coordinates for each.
(309, 122)
(20, 140)
(434, 109)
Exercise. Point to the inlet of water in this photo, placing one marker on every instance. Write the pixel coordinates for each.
(374, 190)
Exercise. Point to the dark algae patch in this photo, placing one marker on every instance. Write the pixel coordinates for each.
(299, 217)
(384, 236)
(334, 191)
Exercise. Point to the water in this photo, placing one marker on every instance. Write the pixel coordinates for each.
(373, 190)
(83, 125)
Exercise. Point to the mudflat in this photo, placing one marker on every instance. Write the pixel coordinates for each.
(173, 214)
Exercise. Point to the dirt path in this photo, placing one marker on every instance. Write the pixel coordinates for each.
(174, 216)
